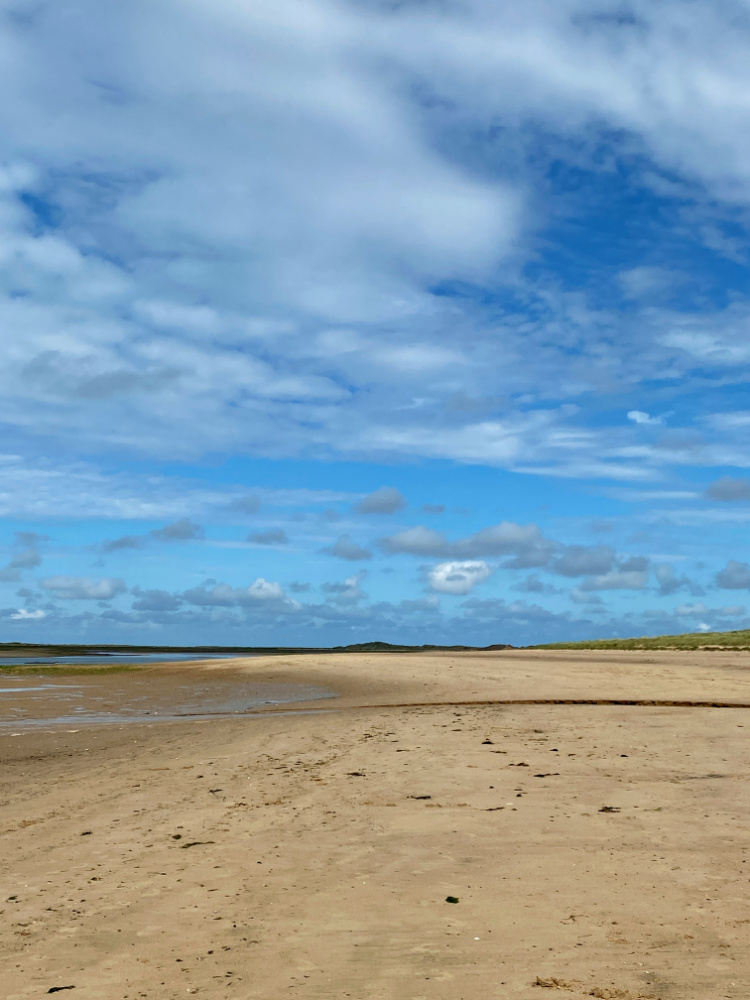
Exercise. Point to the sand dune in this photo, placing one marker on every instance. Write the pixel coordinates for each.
(594, 849)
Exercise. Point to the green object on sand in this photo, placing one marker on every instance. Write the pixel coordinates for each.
(451, 899)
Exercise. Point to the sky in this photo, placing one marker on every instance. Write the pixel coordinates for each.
(329, 321)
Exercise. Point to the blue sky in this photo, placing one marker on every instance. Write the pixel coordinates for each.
(325, 322)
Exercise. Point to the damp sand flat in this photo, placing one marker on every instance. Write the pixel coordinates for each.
(63, 697)
(595, 849)
(109, 659)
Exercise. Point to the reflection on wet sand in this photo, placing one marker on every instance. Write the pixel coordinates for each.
(100, 698)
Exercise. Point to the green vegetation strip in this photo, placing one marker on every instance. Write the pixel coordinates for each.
(739, 640)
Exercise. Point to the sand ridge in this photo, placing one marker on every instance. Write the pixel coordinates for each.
(595, 850)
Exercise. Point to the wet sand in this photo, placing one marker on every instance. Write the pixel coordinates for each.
(60, 697)
(594, 849)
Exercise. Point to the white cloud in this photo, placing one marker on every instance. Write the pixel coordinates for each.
(42, 489)
(639, 417)
(347, 593)
(527, 548)
(690, 610)
(269, 267)
(81, 588)
(732, 421)
(711, 347)
(263, 590)
(223, 595)
(458, 577)
(669, 582)
(23, 615)
(524, 542)
(582, 560)
(649, 282)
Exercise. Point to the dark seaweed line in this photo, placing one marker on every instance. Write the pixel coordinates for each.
(624, 702)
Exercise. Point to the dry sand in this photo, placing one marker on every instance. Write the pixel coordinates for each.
(311, 855)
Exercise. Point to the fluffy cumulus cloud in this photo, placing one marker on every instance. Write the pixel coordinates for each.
(25, 557)
(155, 600)
(629, 574)
(639, 417)
(717, 617)
(386, 500)
(670, 582)
(212, 594)
(525, 547)
(263, 590)
(260, 614)
(582, 560)
(24, 615)
(346, 548)
(458, 577)
(348, 592)
(525, 543)
(734, 576)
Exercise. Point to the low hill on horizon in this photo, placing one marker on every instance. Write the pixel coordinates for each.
(739, 640)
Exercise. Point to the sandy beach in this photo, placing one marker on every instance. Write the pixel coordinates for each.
(594, 849)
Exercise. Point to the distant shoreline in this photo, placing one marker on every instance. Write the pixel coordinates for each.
(17, 649)
(710, 641)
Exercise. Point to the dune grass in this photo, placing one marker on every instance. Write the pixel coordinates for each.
(689, 640)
